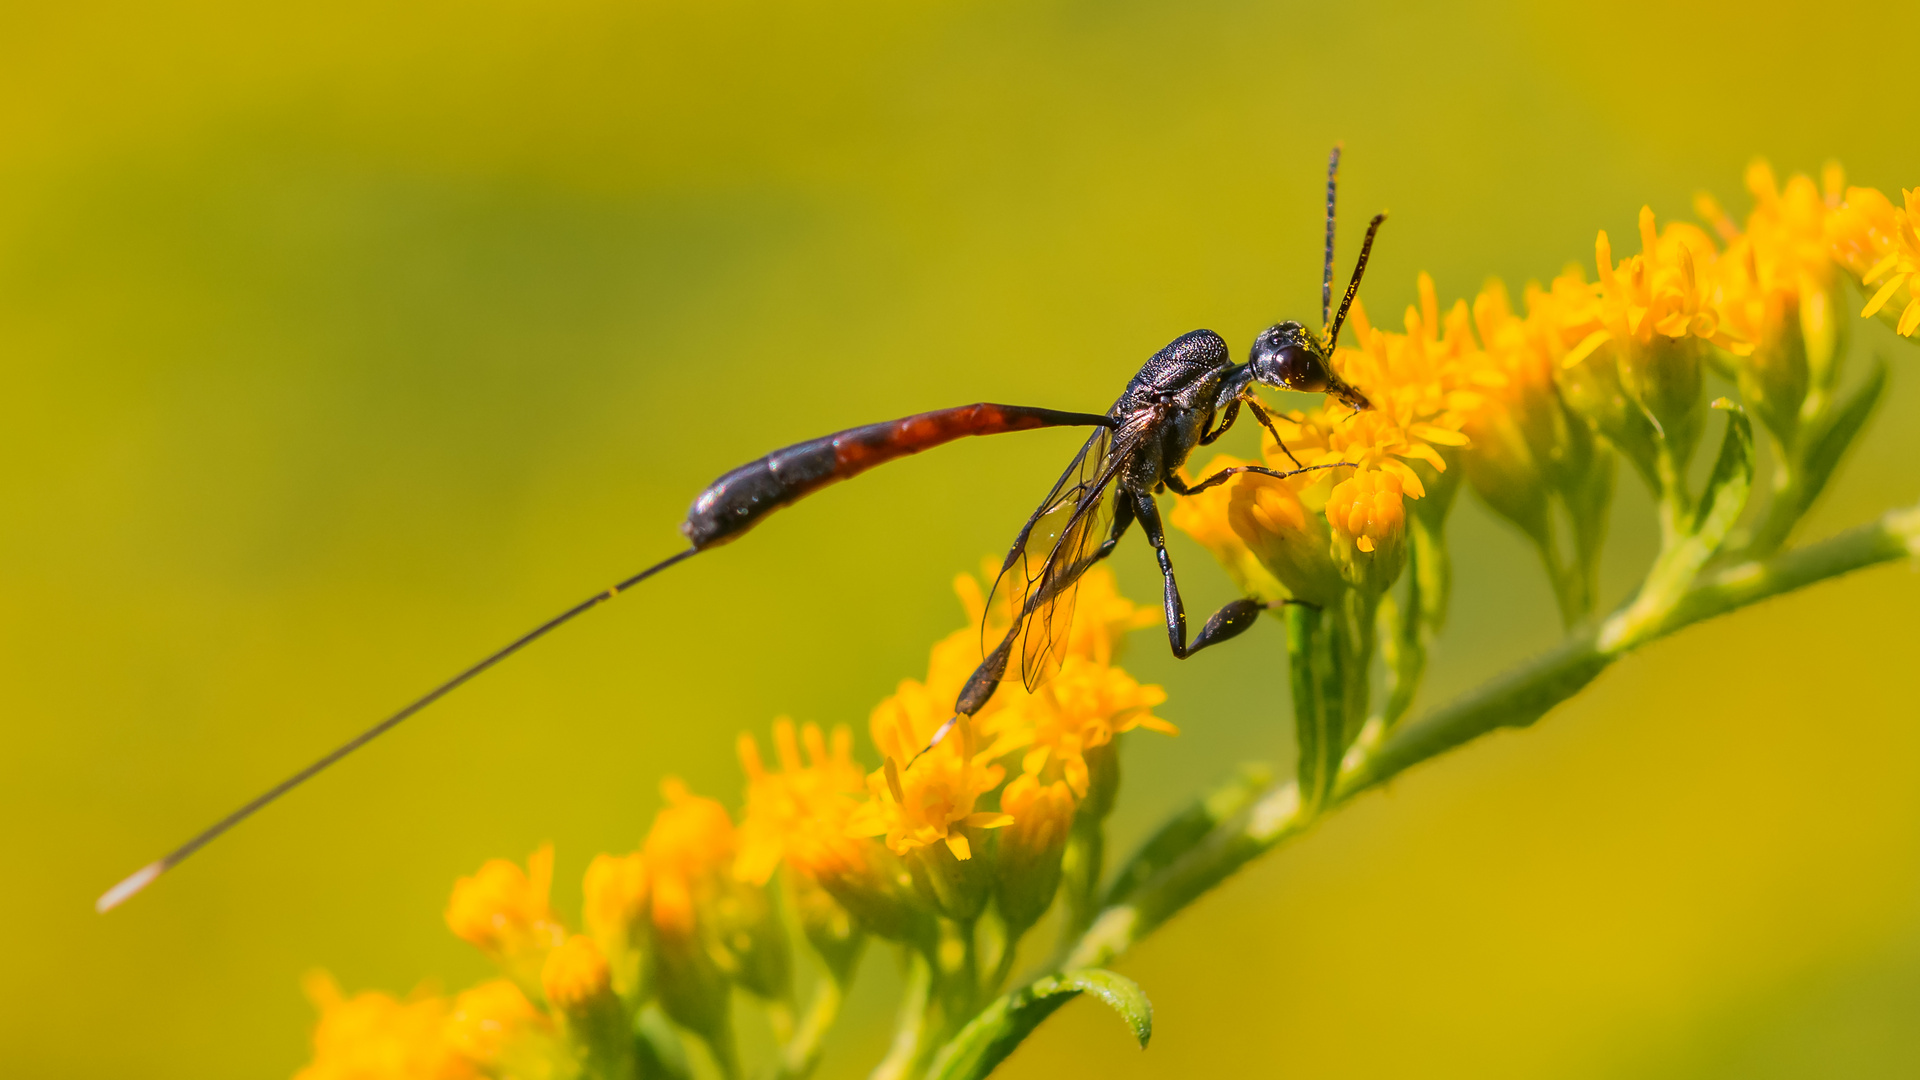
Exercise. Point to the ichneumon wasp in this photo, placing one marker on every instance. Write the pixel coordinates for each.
(1186, 396)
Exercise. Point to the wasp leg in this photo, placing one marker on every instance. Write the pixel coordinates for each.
(1226, 421)
(1122, 520)
(1181, 487)
(1229, 622)
(986, 678)
(1266, 421)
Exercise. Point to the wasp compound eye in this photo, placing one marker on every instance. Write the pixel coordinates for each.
(1282, 358)
(1300, 369)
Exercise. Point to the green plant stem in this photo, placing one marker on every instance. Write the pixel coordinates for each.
(801, 1054)
(1515, 699)
(910, 1032)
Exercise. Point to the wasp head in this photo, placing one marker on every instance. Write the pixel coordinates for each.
(1287, 356)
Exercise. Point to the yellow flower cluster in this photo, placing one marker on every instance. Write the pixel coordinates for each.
(1880, 244)
(1316, 535)
(1519, 399)
(1003, 814)
(693, 913)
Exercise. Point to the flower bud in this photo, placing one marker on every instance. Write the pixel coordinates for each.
(830, 928)
(1286, 537)
(1880, 243)
(1028, 851)
(1205, 518)
(373, 1034)
(1655, 311)
(874, 887)
(615, 910)
(502, 910)
(709, 928)
(494, 1026)
(1368, 518)
(1775, 286)
(579, 986)
(955, 887)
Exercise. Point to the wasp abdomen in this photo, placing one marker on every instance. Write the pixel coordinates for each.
(738, 500)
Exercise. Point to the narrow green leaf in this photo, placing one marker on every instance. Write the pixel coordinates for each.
(1830, 443)
(1183, 830)
(1728, 487)
(987, 1040)
(1703, 533)
(661, 1054)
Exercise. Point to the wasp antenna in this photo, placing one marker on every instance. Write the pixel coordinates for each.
(147, 874)
(1353, 287)
(1326, 269)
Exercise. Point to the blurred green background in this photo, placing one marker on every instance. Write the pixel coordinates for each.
(342, 342)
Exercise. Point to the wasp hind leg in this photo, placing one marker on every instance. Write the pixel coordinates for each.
(1229, 622)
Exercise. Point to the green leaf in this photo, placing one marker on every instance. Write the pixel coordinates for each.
(1673, 573)
(1182, 831)
(661, 1054)
(987, 1040)
(1827, 446)
(1728, 487)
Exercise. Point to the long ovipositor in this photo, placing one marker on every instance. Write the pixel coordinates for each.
(738, 500)
(1186, 396)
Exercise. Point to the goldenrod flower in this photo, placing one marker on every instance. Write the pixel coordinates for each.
(1086, 705)
(800, 814)
(576, 975)
(924, 804)
(1516, 434)
(1774, 286)
(1899, 267)
(579, 984)
(502, 910)
(708, 925)
(1425, 385)
(1206, 518)
(1028, 851)
(1878, 243)
(1367, 513)
(1529, 450)
(615, 911)
(373, 1036)
(494, 1026)
(1647, 330)
(1102, 618)
(690, 844)
(1267, 532)
(931, 800)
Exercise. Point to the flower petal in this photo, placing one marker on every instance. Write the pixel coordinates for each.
(1880, 298)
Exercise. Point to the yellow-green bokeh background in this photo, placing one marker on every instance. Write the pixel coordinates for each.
(343, 341)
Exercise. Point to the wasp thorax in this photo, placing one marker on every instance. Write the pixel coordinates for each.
(1285, 356)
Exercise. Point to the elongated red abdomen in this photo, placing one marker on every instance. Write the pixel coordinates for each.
(737, 501)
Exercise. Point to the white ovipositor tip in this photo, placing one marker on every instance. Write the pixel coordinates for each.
(136, 881)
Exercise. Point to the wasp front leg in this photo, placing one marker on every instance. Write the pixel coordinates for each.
(1226, 421)
(1266, 421)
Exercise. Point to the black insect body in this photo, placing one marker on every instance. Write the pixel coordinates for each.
(1186, 396)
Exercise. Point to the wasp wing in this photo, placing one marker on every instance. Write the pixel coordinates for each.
(1033, 597)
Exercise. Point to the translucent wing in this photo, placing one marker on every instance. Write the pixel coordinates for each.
(1032, 600)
